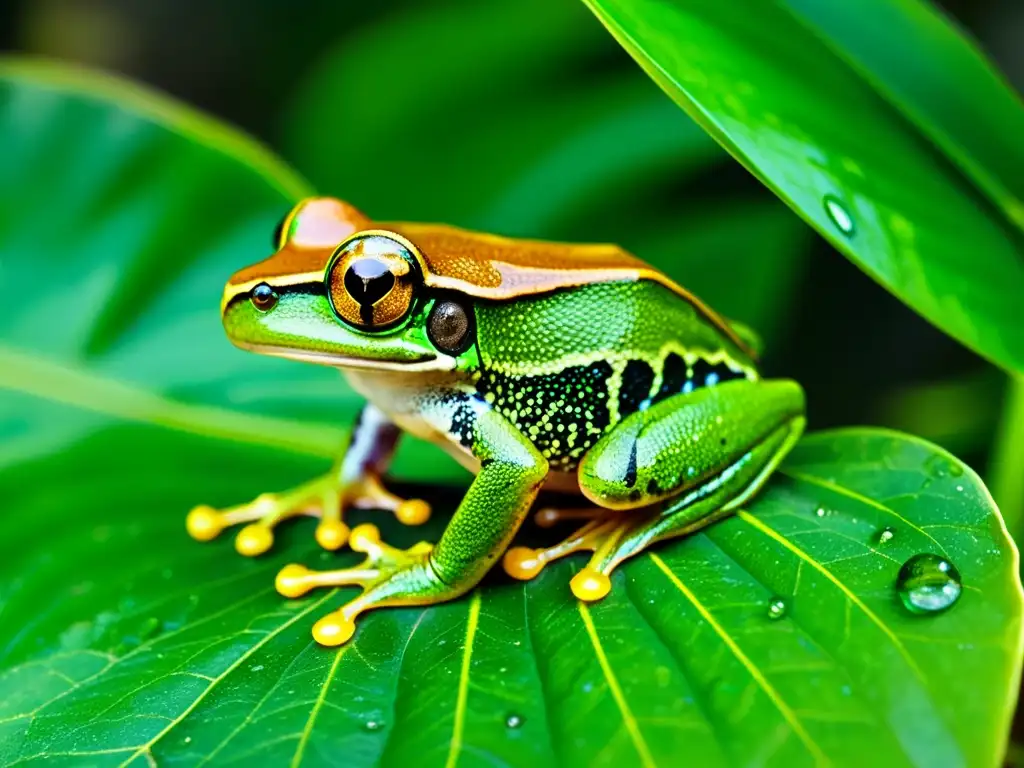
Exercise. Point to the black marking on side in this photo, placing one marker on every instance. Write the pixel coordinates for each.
(637, 380)
(630, 478)
(463, 420)
(563, 414)
(676, 378)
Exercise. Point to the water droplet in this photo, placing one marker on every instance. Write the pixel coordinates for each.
(372, 725)
(822, 512)
(939, 466)
(257, 668)
(885, 535)
(776, 608)
(517, 642)
(839, 215)
(928, 584)
(514, 721)
(188, 739)
(588, 687)
(960, 489)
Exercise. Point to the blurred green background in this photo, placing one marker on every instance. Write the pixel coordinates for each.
(524, 117)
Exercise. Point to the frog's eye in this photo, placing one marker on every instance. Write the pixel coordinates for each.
(371, 281)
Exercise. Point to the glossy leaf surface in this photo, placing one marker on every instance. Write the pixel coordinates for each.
(122, 641)
(557, 145)
(830, 127)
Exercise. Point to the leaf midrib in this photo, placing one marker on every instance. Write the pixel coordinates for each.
(78, 387)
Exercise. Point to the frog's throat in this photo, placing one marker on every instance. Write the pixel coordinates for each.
(425, 362)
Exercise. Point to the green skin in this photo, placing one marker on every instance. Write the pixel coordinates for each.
(620, 389)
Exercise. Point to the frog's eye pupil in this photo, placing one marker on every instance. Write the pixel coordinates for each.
(263, 297)
(449, 327)
(368, 281)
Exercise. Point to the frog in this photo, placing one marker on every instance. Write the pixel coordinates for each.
(537, 365)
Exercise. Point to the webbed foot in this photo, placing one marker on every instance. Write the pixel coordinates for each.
(325, 497)
(603, 535)
(388, 577)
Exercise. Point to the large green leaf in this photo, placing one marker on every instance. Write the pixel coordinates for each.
(801, 95)
(538, 147)
(122, 641)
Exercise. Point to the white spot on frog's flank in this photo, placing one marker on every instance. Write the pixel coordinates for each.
(839, 215)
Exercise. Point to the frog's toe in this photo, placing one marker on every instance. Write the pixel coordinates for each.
(323, 497)
(369, 493)
(388, 576)
(264, 513)
(602, 536)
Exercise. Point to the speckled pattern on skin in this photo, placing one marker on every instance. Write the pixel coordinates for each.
(565, 411)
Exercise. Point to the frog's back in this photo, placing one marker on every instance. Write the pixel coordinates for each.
(501, 268)
(566, 366)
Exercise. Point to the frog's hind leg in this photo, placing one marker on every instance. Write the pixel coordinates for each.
(354, 483)
(672, 469)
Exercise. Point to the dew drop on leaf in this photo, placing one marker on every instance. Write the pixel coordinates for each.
(928, 584)
(776, 608)
(939, 466)
(839, 215)
(514, 721)
(372, 725)
(885, 535)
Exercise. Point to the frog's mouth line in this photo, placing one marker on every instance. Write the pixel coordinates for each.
(422, 363)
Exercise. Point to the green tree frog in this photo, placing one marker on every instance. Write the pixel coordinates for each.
(537, 365)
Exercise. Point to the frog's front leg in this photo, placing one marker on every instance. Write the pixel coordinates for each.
(511, 472)
(353, 483)
(674, 468)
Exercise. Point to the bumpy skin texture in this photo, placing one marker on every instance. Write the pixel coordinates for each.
(567, 367)
(617, 384)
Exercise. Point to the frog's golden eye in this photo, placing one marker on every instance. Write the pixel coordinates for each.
(371, 281)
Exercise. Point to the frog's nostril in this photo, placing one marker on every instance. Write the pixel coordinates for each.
(263, 297)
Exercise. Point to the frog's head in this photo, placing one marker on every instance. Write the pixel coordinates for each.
(338, 292)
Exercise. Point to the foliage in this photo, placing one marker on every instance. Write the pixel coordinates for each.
(777, 636)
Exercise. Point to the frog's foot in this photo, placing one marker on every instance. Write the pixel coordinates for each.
(323, 497)
(603, 536)
(388, 577)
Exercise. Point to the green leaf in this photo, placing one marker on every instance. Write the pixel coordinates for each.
(941, 79)
(126, 219)
(122, 641)
(823, 118)
(153, 644)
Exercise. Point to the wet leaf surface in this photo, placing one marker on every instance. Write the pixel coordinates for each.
(122, 641)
